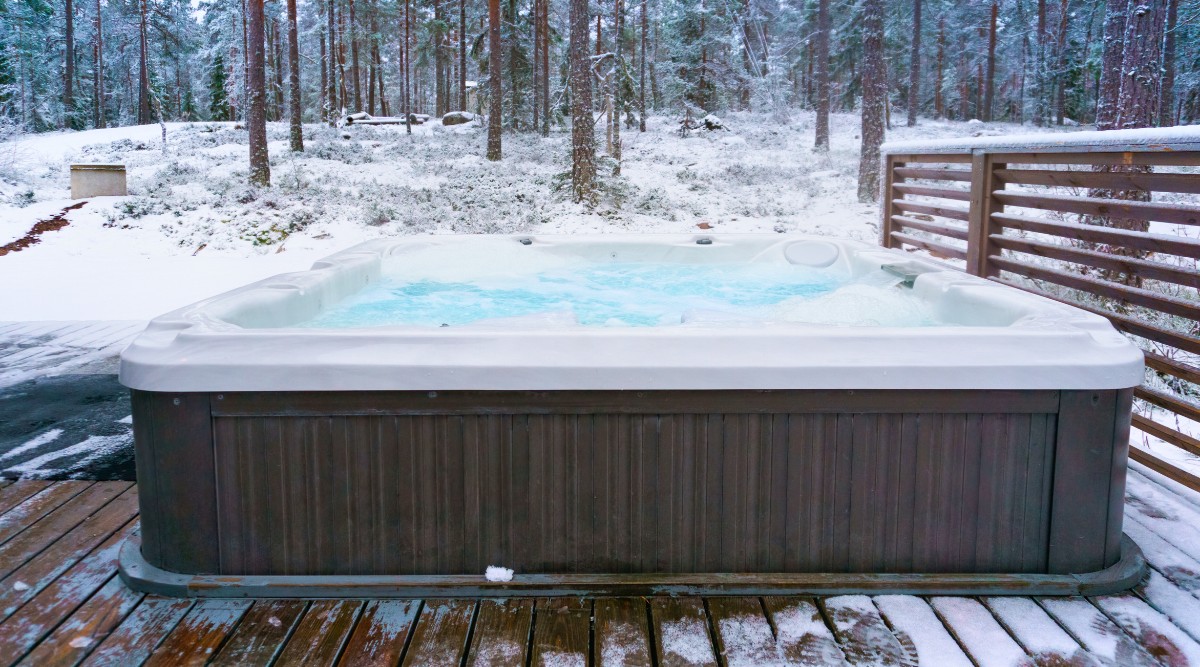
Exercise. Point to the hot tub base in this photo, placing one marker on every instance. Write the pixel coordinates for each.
(646, 485)
(141, 576)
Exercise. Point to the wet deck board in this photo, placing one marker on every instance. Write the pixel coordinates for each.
(32, 349)
(61, 602)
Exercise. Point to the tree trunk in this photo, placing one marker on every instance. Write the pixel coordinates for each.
(990, 84)
(324, 108)
(69, 67)
(1060, 64)
(512, 15)
(495, 92)
(1039, 74)
(404, 53)
(618, 99)
(143, 115)
(343, 90)
(642, 71)
(1166, 105)
(278, 42)
(296, 134)
(537, 65)
(1142, 66)
(583, 141)
(1110, 67)
(655, 97)
(355, 73)
(914, 73)
(256, 117)
(874, 78)
(245, 101)
(372, 71)
(332, 111)
(1024, 68)
(439, 60)
(462, 55)
(939, 108)
(1137, 106)
(545, 68)
(822, 76)
(98, 72)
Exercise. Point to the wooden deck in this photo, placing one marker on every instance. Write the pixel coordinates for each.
(61, 602)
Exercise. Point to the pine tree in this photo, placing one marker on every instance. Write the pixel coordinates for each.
(218, 104)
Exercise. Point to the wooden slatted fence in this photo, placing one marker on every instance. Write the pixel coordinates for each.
(1105, 221)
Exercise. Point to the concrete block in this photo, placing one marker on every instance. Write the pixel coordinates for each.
(97, 180)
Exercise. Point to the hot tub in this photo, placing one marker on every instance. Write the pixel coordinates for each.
(405, 414)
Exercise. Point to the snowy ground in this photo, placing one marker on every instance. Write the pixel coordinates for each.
(191, 227)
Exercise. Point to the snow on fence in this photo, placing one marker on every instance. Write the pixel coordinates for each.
(1107, 221)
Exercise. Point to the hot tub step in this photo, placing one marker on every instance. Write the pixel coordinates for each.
(140, 575)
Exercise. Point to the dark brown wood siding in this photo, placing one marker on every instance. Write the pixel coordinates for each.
(898, 487)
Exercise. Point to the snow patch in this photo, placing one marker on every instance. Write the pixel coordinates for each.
(497, 573)
(562, 659)
(94, 448)
(687, 639)
(33, 443)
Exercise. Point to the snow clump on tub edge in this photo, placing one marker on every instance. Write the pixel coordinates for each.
(498, 573)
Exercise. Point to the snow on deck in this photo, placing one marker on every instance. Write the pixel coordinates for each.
(60, 600)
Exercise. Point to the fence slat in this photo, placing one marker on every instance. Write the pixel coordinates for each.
(934, 174)
(1099, 155)
(1134, 295)
(1106, 180)
(1102, 260)
(1113, 208)
(929, 191)
(1173, 368)
(1171, 245)
(1167, 434)
(1164, 467)
(959, 233)
(952, 212)
(931, 246)
(1168, 402)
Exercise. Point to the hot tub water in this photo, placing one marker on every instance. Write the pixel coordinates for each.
(637, 294)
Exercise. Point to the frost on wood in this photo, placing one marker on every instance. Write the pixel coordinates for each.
(747, 641)
(919, 629)
(1185, 138)
(686, 640)
(1035, 630)
(987, 642)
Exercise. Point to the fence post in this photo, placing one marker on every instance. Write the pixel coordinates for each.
(889, 179)
(983, 204)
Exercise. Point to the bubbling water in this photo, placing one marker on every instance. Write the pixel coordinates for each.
(634, 295)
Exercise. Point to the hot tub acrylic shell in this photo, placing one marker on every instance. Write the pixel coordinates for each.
(986, 457)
